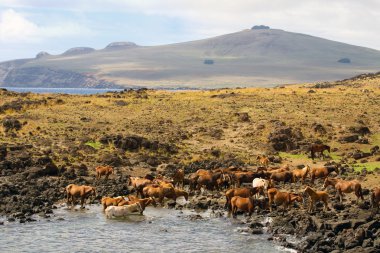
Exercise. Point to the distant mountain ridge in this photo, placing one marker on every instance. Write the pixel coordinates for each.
(253, 57)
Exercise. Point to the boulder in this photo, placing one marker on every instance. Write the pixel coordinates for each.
(35, 172)
(338, 226)
(348, 138)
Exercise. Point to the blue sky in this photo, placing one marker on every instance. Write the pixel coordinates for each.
(30, 26)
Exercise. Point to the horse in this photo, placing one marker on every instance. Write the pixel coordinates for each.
(343, 186)
(282, 198)
(243, 204)
(243, 177)
(103, 170)
(159, 192)
(314, 148)
(122, 211)
(315, 196)
(179, 193)
(241, 192)
(224, 181)
(323, 172)
(285, 176)
(81, 191)
(301, 173)
(375, 197)
(108, 201)
(261, 183)
(263, 160)
(138, 184)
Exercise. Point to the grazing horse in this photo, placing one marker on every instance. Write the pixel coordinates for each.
(82, 191)
(282, 198)
(243, 204)
(103, 170)
(301, 173)
(108, 201)
(375, 197)
(241, 192)
(263, 160)
(323, 172)
(315, 196)
(343, 186)
(318, 148)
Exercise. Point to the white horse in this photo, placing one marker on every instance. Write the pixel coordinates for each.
(122, 211)
(260, 183)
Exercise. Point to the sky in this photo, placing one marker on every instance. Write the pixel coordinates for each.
(30, 26)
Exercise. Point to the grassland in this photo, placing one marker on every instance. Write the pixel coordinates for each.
(202, 124)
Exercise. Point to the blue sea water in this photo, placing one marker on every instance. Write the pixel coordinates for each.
(79, 91)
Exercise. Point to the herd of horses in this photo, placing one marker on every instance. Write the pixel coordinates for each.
(245, 189)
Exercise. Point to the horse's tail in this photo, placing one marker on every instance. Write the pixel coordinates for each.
(312, 154)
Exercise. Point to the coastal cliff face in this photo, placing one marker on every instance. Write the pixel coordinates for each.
(35, 76)
(258, 57)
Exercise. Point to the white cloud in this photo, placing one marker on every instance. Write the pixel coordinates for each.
(16, 28)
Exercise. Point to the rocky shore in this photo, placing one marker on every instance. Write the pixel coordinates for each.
(31, 185)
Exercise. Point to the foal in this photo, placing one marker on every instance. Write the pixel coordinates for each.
(315, 196)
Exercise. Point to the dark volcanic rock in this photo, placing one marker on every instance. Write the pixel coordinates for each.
(348, 138)
(284, 138)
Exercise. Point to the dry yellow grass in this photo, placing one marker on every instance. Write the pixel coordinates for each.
(197, 121)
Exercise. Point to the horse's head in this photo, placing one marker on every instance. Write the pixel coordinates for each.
(296, 197)
(152, 201)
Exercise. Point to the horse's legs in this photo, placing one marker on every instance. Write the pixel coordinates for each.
(234, 210)
(326, 205)
(82, 202)
(340, 195)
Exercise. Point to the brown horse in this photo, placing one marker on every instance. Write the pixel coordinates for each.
(108, 201)
(375, 197)
(323, 172)
(282, 198)
(315, 196)
(243, 177)
(159, 192)
(103, 171)
(243, 204)
(145, 202)
(241, 192)
(263, 160)
(300, 173)
(138, 184)
(82, 191)
(180, 193)
(318, 148)
(285, 176)
(343, 186)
